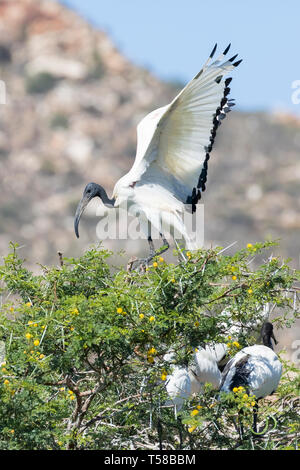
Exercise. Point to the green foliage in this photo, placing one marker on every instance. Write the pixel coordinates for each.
(40, 83)
(84, 365)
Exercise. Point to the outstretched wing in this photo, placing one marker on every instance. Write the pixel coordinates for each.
(175, 141)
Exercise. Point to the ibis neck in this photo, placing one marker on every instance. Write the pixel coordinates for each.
(104, 197)
(267, 341)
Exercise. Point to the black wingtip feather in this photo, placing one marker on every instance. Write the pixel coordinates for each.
(220, 114)
(227, 49)
(233, 57)
(213, 51)
(237, 62)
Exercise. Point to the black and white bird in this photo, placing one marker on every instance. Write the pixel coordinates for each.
(173, 148)
(256, 368)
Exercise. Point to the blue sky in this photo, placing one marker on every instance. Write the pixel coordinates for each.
(173, 38)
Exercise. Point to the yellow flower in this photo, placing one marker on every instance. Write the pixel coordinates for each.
(12, 431)
(6, 382)
(11, 309)
(245, 396)
(152, 318)
(235, 389)
(234, 278)
(249, 245)
(72, 328)
(119, 310)
(188, 254)
(173, 280)
(194, 412)
(229, 337)
(199, 407)
(35, 325)
(196, 350)
(141, 315)
(250, 291)
(75, 311)
(253, 403)
(30, 322)
(196, 324)
(28, 335)
(43, 327)
(150, 359)
(161, 259)
(163, 376)
(152, 351)
(3, 369)
(72, 397)
(42, 356)
(70, 392)
(36, 342)
(191, 428)
(62, 389)
(155, 264)
(240, 389)
(236, 344)
(28, 304)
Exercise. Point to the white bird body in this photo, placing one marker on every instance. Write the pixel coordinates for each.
(217, 351)
(172, 144)
(257, 368)
(178, 386)
(204, 369)
(173, 148)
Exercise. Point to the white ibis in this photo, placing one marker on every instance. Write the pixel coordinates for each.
(173, 148)
(184, 381)
(256, 368)
(178, 386)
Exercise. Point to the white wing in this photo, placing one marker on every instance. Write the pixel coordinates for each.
(174, 142)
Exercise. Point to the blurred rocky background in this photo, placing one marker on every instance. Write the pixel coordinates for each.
(72, 106)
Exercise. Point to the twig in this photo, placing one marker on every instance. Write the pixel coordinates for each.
(61, 261)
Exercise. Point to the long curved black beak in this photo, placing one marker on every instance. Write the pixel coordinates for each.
(80, 208)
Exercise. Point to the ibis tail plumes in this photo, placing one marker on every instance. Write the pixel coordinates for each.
(174, 143)
(256, 368)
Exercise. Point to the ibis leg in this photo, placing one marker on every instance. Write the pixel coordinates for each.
(180, 429)
(145, 261)
(255, 412)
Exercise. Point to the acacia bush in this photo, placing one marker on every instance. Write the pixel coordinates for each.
(84, 351)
